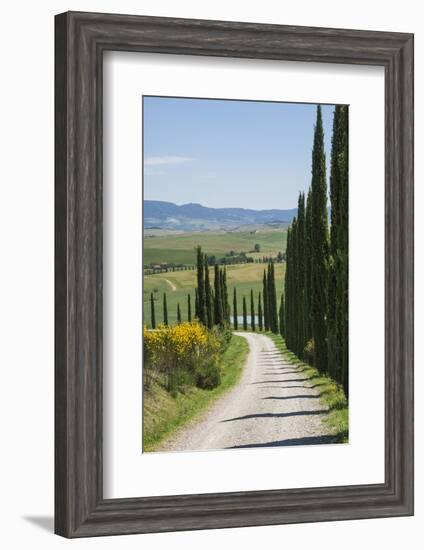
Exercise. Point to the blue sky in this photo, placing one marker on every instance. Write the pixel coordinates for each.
(222, 153)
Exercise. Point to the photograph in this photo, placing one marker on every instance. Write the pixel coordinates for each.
(245, 274)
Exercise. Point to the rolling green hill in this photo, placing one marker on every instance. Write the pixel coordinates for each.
(181, 248)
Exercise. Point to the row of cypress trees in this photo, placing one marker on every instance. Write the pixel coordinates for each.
(153, 323)
(211, 304)
(165, 310)
(297, 313)
(316, 281)
(257, 315)
(252, 312)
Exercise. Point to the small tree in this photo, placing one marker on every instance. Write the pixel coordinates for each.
(272, 300)
(252, 311)
(165, 310)
(201, 291)
(152, 311)
(226, 305)
(189, 308)
(244, 313)
(265, 295)
(235, 318)
(218, 297)
(257, 247)
(208, 295)
(178, 314)
(260, 319)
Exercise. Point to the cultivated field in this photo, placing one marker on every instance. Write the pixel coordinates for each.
(180, 248)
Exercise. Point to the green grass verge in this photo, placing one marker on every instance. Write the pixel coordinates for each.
(163, 414)
(331, 393)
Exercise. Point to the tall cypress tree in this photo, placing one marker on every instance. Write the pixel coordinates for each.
(320, 248)
(244, 313)
(295, 308)
(208, 296)
(265, 295)
(218, 299)
(333, 351)
(201, 287)
(295, 288)
(288, 291)
(342, 311)
(269, 299)
(338, 272)
(226, 305)
(165, 310)
(235, 318)
(260, 314)
(189, 308)
(276, 307)
(300, 270)
(221, 286)
(308, 268)
(334, 357)
(178, 314)
(291, 290)
(272, 300)
(252, 311)
(152, 311)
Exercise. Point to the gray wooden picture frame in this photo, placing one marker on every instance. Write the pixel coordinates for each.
(80, 40)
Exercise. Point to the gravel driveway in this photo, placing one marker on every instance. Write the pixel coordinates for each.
(274, 404)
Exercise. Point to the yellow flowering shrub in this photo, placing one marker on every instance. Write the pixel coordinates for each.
(183, 354)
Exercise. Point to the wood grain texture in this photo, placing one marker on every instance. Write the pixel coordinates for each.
(81, 39)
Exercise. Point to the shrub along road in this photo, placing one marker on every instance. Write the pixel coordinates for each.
(274, 404)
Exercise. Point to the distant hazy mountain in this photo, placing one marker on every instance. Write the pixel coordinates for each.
(195, 217)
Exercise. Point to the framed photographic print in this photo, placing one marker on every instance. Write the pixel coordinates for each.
(234, 274)
(202, 266)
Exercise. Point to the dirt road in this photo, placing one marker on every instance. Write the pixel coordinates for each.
(274, 404)
(171, 284)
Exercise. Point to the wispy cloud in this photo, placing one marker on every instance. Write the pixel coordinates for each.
(160, 161)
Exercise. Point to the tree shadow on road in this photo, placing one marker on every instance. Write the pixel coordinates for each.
(282, 381)
(276, 372)
(303, 387)
(304, 396)
(312, 440)
(276, 415)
